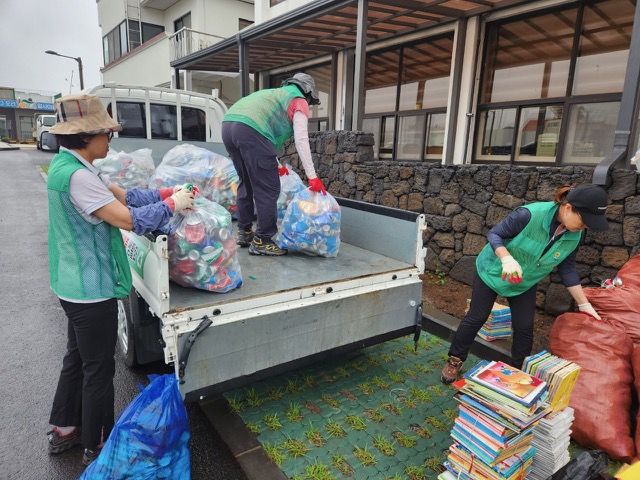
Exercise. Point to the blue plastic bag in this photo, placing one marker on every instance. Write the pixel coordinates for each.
(150, 438)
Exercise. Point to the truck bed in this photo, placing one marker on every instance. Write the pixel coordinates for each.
(262, 275)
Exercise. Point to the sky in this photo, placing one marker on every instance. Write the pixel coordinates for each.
(69, 27)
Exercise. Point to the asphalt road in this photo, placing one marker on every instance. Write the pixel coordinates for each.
(33, 341)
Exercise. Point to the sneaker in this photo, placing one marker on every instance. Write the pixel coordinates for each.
(265, 247)
(451, 370)
(60, 443)
(90, 455)
(244, 238)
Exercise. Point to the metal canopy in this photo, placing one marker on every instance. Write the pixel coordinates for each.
(327, 26)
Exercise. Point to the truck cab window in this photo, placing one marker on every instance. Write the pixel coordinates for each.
(131, 116)
(164, 122)
(194, 124)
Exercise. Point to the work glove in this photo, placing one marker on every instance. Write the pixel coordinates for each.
(180, 200)
(188, 186)
(315, 185)
(283, 171)
(511, 269)
(589, 310)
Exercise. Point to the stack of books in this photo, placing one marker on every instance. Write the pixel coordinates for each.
(551, 436)
(493, 433)
(498, 325)
(559, 374)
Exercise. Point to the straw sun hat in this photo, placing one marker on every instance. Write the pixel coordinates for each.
(82, 114)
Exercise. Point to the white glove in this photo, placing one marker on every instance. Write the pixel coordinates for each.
(181, 200)
(589, 310)
(511, 269)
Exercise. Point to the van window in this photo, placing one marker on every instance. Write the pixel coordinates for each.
(49, 121)
(194, 124)
(131, 117)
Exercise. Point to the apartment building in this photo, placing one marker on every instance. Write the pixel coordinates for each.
(141, 37)
(523, 82)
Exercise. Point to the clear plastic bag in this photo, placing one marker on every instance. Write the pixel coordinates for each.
(202, 250)
(128, 170)
(311, 225)
(213, 174)
(289, 186)
(150, 438)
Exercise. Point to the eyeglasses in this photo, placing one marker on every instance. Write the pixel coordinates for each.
(110, 135)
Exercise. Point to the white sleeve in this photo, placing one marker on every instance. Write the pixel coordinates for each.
(301, 138)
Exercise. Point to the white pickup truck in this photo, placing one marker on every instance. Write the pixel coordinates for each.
(289, 311)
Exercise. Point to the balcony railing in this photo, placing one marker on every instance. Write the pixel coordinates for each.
(186, 41)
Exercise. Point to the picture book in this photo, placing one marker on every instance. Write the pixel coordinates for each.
(510, 381)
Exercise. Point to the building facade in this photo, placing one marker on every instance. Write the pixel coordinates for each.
(511, 82)
(141, 37)
(18, 111)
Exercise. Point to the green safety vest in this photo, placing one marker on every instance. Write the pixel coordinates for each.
(527, 248)
(86, 261)
(266, 111)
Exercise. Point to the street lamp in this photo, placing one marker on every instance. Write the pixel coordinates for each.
(77, 59)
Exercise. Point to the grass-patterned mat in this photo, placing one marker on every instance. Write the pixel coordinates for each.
(381, 413)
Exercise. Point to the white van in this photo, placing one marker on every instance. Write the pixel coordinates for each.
(161, 118)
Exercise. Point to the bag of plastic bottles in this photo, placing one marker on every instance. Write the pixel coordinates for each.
(311, 224)
(289, 186)
(213, 174)
(202, 250)
(150, 438)
(128, 170)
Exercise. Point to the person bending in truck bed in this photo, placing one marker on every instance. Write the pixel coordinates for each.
(523, 249)
(253, 131)
(88, 267)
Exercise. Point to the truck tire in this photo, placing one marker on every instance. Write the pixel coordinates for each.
(38, 145)
(126, 329)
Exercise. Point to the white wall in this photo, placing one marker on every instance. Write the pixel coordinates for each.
(217, 18)
(148, 67)
(265, 12)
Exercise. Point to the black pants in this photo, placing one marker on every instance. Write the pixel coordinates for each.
(84, 396)
(523, 309)
(256, 163)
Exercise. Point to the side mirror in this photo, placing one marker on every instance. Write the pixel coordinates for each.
(49, 141)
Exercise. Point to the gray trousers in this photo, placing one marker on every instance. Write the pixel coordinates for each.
(255, 160)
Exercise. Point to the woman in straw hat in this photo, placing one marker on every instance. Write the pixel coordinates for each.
(89, 269)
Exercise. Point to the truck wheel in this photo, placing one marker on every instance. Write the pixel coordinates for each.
(38, 146)
(126, 331)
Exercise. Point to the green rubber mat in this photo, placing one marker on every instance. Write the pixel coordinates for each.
(380, 413)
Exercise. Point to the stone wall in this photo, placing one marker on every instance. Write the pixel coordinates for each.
(463, 202)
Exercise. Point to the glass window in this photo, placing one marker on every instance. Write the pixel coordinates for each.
(604, 47)
(381, 82)
(425, 75)
(538, 133)
(434, 144)
(387, 136)
(182, 22)
(124, 44)
(131, 116)
(410, 134)
(530, 58)
(372, 125)
(590, 132)
(149, 31)
(497, 133)
(164, 122)
(194, 124)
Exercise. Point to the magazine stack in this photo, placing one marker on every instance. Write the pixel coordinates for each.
(498, 325)
(551, 437)
(493, 434)
(559, 374)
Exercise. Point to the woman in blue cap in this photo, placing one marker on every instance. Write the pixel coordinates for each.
(253, 131)
(521, 250)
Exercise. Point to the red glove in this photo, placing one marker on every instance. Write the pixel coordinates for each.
(315, 185)
(283, 171)
(165, 193)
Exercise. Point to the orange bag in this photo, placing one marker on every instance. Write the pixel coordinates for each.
(635, 362)
(619, 305)
(601, 397)
(630, 272)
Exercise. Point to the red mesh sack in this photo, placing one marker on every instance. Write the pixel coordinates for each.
(619, 305)
(635, 361)
(630, 272)
(601, 396)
